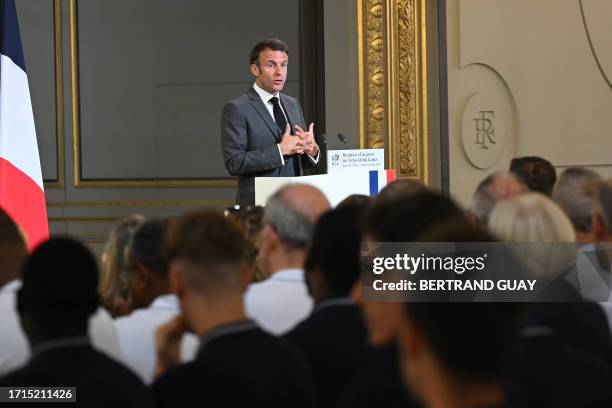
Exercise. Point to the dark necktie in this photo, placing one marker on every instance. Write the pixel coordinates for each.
(281, 122)
(279, 117)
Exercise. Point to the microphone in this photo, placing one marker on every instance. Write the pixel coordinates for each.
(342, 138)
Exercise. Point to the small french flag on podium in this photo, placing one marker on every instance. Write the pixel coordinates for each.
(379, 179)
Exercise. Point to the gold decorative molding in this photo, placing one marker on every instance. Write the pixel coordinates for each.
(393, 82)
(76, 147)
(372, 72)
(59, 96)
(144, 203)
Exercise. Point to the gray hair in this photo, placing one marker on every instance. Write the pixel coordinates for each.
(576, 193)
(604, 204)
(292, 226)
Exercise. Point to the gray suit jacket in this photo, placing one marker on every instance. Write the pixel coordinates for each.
(249, 137)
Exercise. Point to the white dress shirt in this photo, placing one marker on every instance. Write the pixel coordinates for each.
(136, 334)
(14, 347)
(280, 302)
(266, 99)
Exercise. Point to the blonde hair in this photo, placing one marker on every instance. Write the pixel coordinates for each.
(536, 219)
(112, 287)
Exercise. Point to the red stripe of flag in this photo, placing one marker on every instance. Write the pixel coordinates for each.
(24, 201)
(390, 176)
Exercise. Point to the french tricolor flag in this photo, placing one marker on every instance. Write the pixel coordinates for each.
(22, 193)
(379, 179)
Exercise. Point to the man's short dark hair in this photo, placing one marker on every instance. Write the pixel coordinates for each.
(400, 189)
(60, 281)
(335, 249)
(273, 44)
(405, 218)
(147, 247)
(473, 341)
(537, 173)
(213, 244)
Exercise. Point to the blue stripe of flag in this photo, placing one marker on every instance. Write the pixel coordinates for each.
(9, 33)
(373, 183)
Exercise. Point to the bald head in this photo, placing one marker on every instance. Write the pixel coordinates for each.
(306, 200)
(293, 210)
(496, 187)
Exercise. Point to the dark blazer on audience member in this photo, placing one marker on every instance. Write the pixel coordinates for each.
(379, 383)
(238, 365)
(582, 324)
(333, 340)
(99, 380)
(551, 372)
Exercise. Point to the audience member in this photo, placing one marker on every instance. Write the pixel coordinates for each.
(576, 193)
(237, 363)
(400, 213)
(151, 300)
(280, 302)
(593, 260)
(458, 354)
(543, 231)
(333, 337)
(57, 296)
(400, 189)
(535, 219)
(14, 350)
(13, 252)
(538, 174)
(113, 280)
(251, 220)
(494, 188)
(355, 200)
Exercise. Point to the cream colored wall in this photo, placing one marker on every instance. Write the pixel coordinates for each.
(545, 67)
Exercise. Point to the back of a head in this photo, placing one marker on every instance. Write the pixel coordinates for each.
(113, 280)
(59, 289)
(535, 219)
(537, 173)
(494, 188)
(211, 248)
(335, 248)
(13, 249)
(472, 341)
(405, 218)
(400, 189)
(576, 193)
(251, 220)
(147, 245)
(531, 217)
(355, 200)
(293, 211)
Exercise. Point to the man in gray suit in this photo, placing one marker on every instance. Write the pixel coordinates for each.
(262, 131)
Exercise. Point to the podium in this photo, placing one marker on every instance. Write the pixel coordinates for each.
(336, 186)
